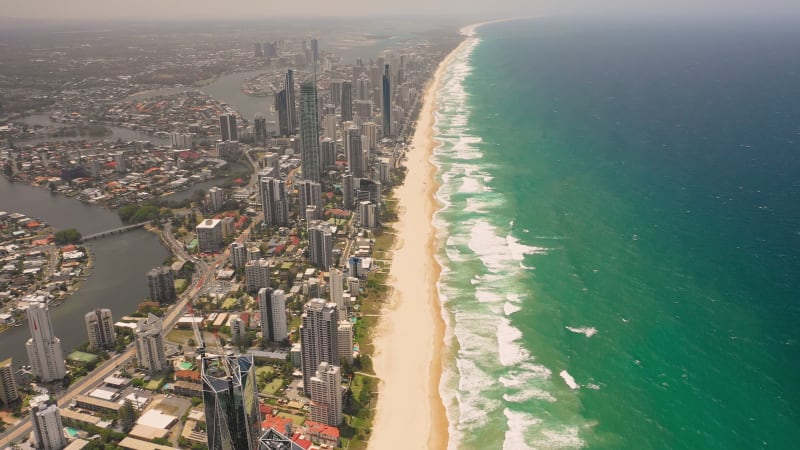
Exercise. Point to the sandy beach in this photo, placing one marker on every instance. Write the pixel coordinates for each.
(410, 335)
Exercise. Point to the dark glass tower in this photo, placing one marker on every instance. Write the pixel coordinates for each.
(233, 421)
(386, 107)
(309, 130)
(347, 101)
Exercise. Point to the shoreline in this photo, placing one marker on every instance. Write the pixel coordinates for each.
(415, 303)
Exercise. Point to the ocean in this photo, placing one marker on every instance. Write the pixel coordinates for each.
(620, 235)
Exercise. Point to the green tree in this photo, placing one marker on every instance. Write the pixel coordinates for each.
(68, 236)
(127, 416)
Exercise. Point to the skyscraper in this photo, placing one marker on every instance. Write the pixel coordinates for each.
(44, 348)
(209, 235)
(347, 101)
(260, 128)
(256, 274)
(355, 156)
(336, 288)
(311, 195)
(309, 130)
(319, 338)
(386, 107)
(314, 52)
(233, 420)
(320, 246)
(161, 284)
(347, 190)
(335, 88)
(238, 254)
(272, 310)
(346, 341)
(48, 429)
(326, 395)
(283, 113)
(227, 127)
(149, 339)
(100, 328)
(274, 201)
(291, 106)
(8, 385)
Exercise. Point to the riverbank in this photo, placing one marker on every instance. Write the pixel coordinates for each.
(401, 353)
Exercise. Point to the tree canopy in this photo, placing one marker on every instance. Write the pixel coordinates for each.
(68, 236)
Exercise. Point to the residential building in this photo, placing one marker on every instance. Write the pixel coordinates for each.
(100, 328)
(230, 398)
(48, 429)
(326, 395)
(320, 246)
(256, 274)
(238, 330)
(149, 340)
(161, 284)
(209, 235)
(274, 201)
(345, 341)
(354, 151)
(318, 338)
(216, 199)
(347, 191)
(336, 288)
(228, 128)
(44, 348)
(272, 309)
(8, 384)
(238, 254)
(347, 101)
(311, 195)
(309, 131)
(386, 107)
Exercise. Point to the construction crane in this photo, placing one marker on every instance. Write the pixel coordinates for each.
(198, 336)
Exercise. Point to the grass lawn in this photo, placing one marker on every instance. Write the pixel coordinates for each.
(273, 386)
(154, 384)
(180, 285)
(230, 303)
(266, 370)
(297, 420)
(82, 357)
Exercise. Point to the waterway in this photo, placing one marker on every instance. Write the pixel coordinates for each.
(118, 280)
(126, 134)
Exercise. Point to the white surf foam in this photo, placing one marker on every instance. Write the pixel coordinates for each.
(510, 351)
(568, 379)
(510, 308)
(586, 331)
(518, 425)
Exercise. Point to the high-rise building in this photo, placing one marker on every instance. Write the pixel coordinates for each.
(100, 328)
(370, 130)
(238, 254)
(367, 189)
(253, 252)
(346, 341)
(336, 288)
(347, 101)
(44, 348)
(48, 429)
(161, 284)
(314, 51)
(320, 246)
(318, 338)
(362, 88)
(354, 150)
(291, 105)
(274, 201)
(327, 153)
(227, 127)
(260, 128)
(326, 395)
(209, 235)
(347, 190)
(119, 162)
(230, 398)
(386, 107)
(8, 384)
(272, 310)
(367, 214)
(309, 130)
(335, 90)
(216, 198)
(311, 195)
(238, 330)
(283, 113)
(354, 268)
(149, 340)
(256, 274)
(329, 127)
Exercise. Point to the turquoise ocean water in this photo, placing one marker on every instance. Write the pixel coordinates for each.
(621, 235)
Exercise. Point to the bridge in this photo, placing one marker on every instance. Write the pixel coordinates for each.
(114, 231)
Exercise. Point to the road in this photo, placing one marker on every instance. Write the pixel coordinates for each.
(205, 273)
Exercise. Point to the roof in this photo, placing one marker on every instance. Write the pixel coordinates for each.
(156, 419)
(321, 428)
(138, 444)
(191, 375)
(148, 433)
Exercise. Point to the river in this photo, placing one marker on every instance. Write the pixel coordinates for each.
(118, 280)
(126, 134)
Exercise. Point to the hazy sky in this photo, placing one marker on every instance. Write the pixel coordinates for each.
(230, 9)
